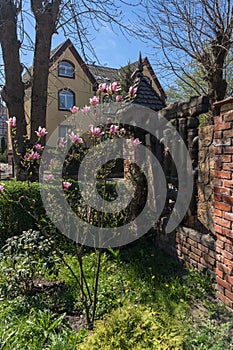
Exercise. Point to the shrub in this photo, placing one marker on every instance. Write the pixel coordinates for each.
(135, 327)
(26, 257)
(13, 218)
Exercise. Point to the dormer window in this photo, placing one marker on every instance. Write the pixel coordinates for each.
(66, 69)
(66, 100)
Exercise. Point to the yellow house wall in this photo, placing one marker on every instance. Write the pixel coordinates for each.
(80, 85)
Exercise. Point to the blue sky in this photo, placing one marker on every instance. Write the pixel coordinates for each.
(112, 48)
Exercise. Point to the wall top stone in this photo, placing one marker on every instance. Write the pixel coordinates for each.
(225, 105)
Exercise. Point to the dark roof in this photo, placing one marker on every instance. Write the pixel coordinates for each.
(145, 94)
(104, 74)
(101, 74)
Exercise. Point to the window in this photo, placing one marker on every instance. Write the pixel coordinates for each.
(63, 130)
(65, 100)
(66, 69)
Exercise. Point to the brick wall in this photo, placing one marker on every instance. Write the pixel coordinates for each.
(223, 201)
(211, 248)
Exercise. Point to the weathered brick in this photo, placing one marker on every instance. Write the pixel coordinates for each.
(222, 174)
(228, 183)
(218, 119)
(228, 117)
(228, 216)
(222, 126)
(219, 273)
(222, 190)
(218, 228)
(228, 133)
(218, 134)
(218, 212)
(225, 299)
(228, 149)
(223, 283)
(222, 222)
(222, 206)
(229, 294)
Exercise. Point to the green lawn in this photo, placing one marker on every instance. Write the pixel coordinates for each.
(146, 300)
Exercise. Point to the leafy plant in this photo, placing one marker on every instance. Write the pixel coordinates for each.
(136, 327)
(26, 257)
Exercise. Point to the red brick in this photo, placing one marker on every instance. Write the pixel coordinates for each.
(192, 242)
(222, 238)
(228, 247)
(228, 256)
(227, 199)
(228, 233)
(227, 183)
(196, 251)
(218, 182)
(218, 119)
(222, 126)
(228, 149)
(228, 117)
(219, 150)
(220, 244)
(217, 197)
(228, 166)
(230, 280)
(222, 190)
(218, 212)
(222, 174)
(226, 300)
(229, 294)
(219, 273)
(222, 206)
(218, 134)
(223, 283)
(228, 133)
(222, 222)
(218, 228)
(222, 142)
(228, 216)
(227, 270)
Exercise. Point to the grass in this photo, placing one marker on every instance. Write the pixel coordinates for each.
(139, 275)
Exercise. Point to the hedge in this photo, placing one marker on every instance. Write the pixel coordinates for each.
(13, 218)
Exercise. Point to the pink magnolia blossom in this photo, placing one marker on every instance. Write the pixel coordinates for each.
(12, 122)
(132, 91)
(86, 109)
(95, 131)
(102, 87)
(38, 147)
(66, 184)
(119, 98)
(41, 132)
(1, 188)
(74, 109)
(62, 143)
(113, 129)
(75, 138)
(50, 177)
(51, 162)
(114, 86)
(96, 115)
(32, 156)
(108, 120)
(135, 142)
(94, 101)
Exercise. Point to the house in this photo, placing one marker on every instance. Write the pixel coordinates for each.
(72, 82)
(3, 124)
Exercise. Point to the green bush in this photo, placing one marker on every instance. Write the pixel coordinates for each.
(13, 218)
(136, 327)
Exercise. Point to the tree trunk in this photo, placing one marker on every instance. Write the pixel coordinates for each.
(46, 17)
(13, 91)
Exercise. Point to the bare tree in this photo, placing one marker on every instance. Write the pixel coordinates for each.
(189, 31)
(72, 17)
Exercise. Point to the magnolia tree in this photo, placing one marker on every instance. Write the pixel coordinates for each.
(54, 175)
